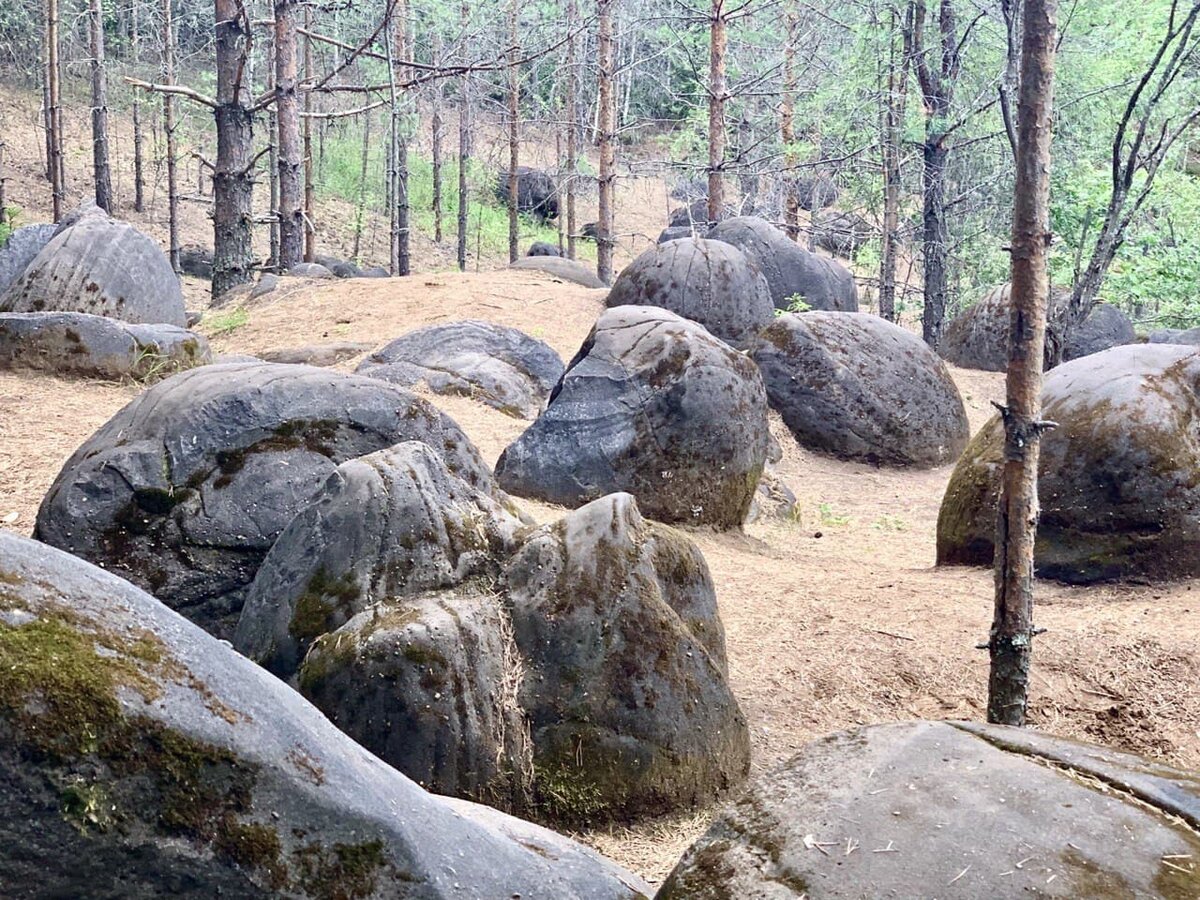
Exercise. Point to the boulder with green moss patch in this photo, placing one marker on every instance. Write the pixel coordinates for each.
(140, 757)
(951, 810)
(185, 490)
(655, 406)
(1118, 478)
(858, 387)
(393, 523)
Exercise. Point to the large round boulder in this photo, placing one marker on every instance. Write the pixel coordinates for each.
(655, 406)
(955, 810)
(1105, 327)
(710, 282)
(1117, 477)
(81, 345)
(21, 248)
(589, 684)
(562, 268)
(1189, 337)
(858, 387)
(104, 267)
(792, 272)
(841, 233)
(185, 489)
(389, 524)
(503, 367)
(143, 758)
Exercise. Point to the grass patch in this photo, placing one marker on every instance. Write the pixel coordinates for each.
(225, 322)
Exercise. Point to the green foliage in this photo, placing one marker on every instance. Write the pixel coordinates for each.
(795, 304)
(225, 322)
(9, 225)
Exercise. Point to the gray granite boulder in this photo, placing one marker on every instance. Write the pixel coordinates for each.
(543, 248)
(143, 758)
(710, 282)
(858, 387)
(196, 261)
(327, 354)
(310, 270)
(675, 232)
(389, 524)
(77, 344)
(1117, 484)
(339, 268)
(503, 367)
(589, 684)
(21, 248)
(185, 490)
(841, 233)
(655, 406)
(815, 192)
(790, 270)
(562, 268)
(103, 267)
(375, 272)
(1105, 327)
(951, 810)
(1189, 336)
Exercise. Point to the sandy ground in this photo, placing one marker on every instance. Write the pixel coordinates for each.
(833, 620)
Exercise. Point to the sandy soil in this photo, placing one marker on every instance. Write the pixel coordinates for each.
(833, 620)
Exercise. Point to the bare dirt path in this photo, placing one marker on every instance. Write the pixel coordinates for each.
(854, 626)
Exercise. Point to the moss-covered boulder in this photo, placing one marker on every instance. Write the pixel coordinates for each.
(588, 684)
(389, 524)
(653, 405)
(792, 272)
(184, 490)
(858, 387)
(1118, 480)
(500, 366)
(86, 346)
(140, 757)
(710, 282)
(956, 810)
(100, 266)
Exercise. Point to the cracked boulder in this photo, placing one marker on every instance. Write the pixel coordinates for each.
(588, 683)
(855, 386)
(1116, 478)
(655, 406)
(184, 490)
(78, 344)
(710, 282)
(389, 524)
(104, 267)
(952, 810)
(21, 248)
(502, 367)
(143, 758)
(791, 271)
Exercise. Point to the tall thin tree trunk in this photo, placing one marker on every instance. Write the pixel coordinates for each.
(936, 234)
(895, 91)
(403, 265)
(1011, 640)
(54, 107)
(435, 137)
(139, 181)
(168, 104)
(360, 213)
(47, 121)
(233, 178)
(514, 134)
(310, 187)
(287, 114)
(464, 147)
(273, 166)
(100, 168)
(607, 127)
(787, 118)
(717, 88)
(572, 104)
(3, 182)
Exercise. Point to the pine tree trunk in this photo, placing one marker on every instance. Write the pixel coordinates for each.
(402, 211)
(514, 134)
(310, 187)
(717, 87)
(273, 167)
(1011, 640)
(606, 132)
(168, 102)
(360, 213)
(100, 168)
(936, 239)
(895, 89)
(436, 136)
(54, 109)
(787, 119)
(139, 182)
(572, 113)
(287, 114)
(233, 178)
(464, 148)
(3, 182)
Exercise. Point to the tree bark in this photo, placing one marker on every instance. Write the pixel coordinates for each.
(1011, 640)
(787, 118)
(139, 184)
(572, 115)
(168, 104)
(287, 116)
(102, 174)
(717, 90)
(360, 213)
(514, 133)
(233, 178)
(310, 186)
(273, 166)
(54, 110)
(435, 136)
(895, 87)
(464, 146)
(606, 132)
(403, 264)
